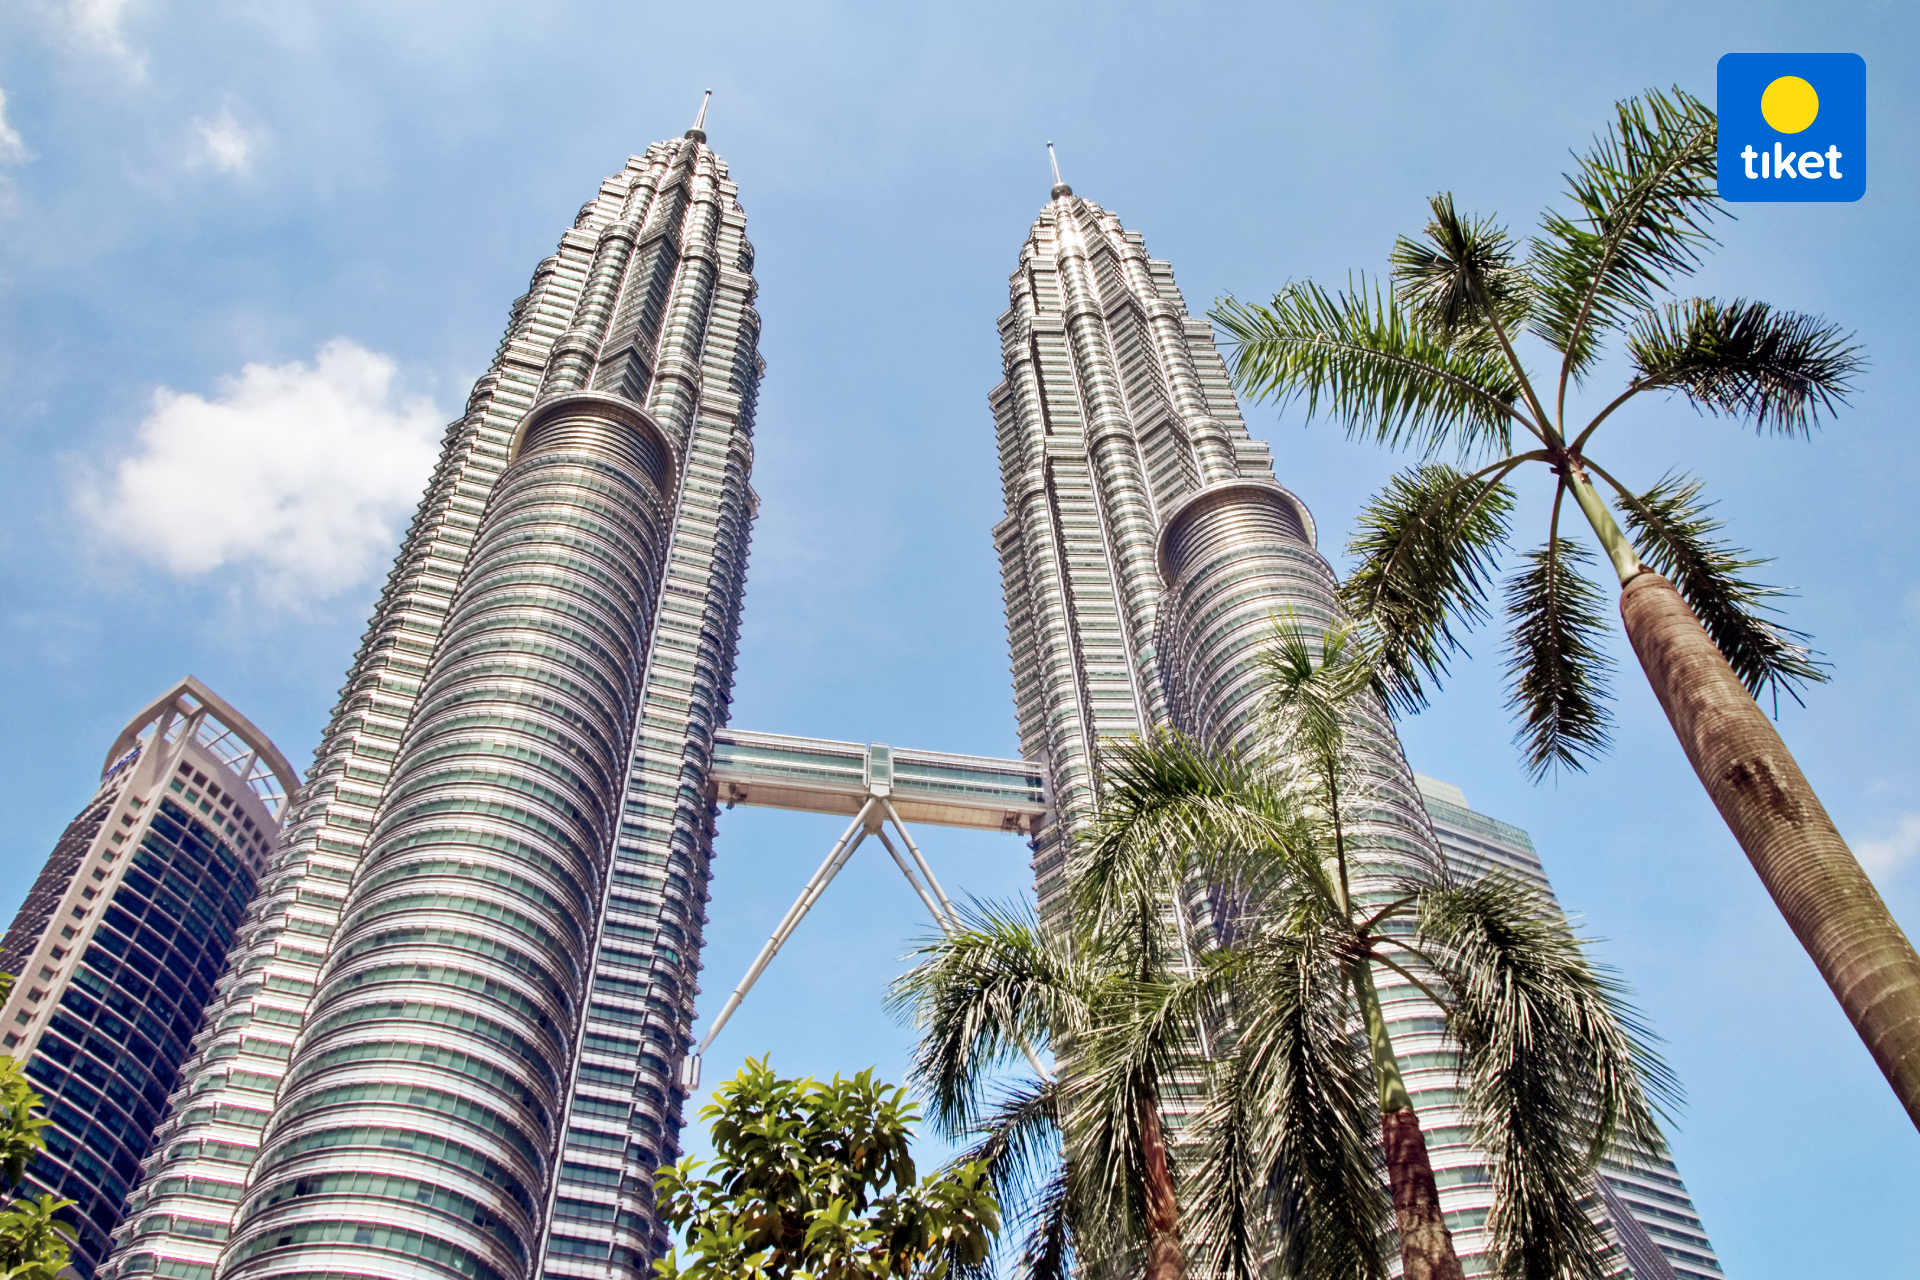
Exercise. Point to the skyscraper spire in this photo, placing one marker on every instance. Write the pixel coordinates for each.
(1059, 188)
(699, 131)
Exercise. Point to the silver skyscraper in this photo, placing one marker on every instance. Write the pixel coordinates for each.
(446, 1044)
(1145, 554)
(1146, 547)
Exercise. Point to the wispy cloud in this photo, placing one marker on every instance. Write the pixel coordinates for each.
(96, 23)
(300, 473)
(1884, 857)
(225, 143)
(13, 148)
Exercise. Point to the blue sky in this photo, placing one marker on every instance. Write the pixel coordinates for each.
(251, 257)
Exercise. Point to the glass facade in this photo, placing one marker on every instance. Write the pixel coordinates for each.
(123, 938)
(440, 1040)
(1644, 1203)
(478, 947)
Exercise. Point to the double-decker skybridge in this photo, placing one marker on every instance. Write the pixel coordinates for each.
(876, 785)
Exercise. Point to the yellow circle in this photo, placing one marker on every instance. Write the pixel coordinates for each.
(1789, 104)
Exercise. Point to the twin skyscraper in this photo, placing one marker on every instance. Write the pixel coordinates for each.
(449, 1036)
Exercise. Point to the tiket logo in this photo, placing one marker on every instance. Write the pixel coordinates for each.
(1793, 126)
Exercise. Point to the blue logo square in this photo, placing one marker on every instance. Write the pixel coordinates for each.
(1793, 126)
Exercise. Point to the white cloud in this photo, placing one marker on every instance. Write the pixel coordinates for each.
(302, 473)
(1884, 857)
(13, 149)
(97, 23)
(225, 143)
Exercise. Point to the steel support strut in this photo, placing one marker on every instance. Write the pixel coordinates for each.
(836, 858)
(871, 820)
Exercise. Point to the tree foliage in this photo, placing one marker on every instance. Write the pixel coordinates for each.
(34, 1243)
(815, 1181)
(1428, 362)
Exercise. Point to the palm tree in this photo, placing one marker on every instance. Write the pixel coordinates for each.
(1083, 1161)
(1429, 362)
(1258, 1005)
(1556, 1069)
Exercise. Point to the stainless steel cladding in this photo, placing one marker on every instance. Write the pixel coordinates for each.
(1115, 408)
(479, 945)
(441, 1038)
(1233, 557)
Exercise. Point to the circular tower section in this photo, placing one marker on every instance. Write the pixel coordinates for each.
(1230, 555)
(417, 1130)
(1238, 560)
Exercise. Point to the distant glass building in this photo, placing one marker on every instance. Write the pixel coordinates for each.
(1648, 1214)
(470, 980)
(122, 937)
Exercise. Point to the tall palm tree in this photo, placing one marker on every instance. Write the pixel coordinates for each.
(1429, 362)
(1084, 1161)
(1257, 1002)
(1307, 909)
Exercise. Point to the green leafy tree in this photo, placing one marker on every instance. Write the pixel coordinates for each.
(815, 1181)
(1430, 362)
(33, 1243)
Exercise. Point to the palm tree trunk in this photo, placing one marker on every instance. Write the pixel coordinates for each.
(1166, 1258)
(1426, 1246)
(1772, 811)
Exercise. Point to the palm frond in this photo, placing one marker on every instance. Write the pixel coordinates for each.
(1312, 676)
(1556, 666)
(1426, 546)
(1644, 196)
(1778, 369)
(1229, 1224)
(1460, 279)
(1138, 1038)
(1673, 534)
(1018, 1141)
(1559, 1070)
(978, 996)
(1374, 365)
(1175, 813)
(1303, 1107)
(1047, 1252)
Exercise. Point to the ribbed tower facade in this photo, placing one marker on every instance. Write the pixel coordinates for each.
(1147, 546)
(446, 1044)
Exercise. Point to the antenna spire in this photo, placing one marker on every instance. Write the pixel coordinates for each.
(1059, 188)
(699, 131)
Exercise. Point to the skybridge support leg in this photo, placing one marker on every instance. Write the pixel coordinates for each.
(926, 900)
(836, 858)
(949, 919)
(874, 814)
(952, 916)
